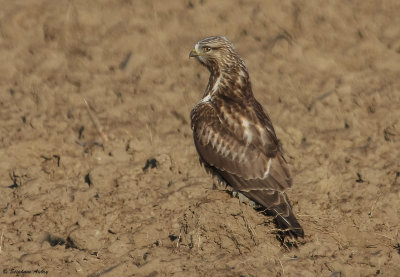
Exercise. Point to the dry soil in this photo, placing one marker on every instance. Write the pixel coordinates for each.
(114, 187)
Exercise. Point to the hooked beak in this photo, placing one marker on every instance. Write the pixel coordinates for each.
(193, 53)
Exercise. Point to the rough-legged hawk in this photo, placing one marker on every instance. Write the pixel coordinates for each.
(235, 138)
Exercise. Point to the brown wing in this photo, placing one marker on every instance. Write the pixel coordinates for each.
(233, 139)
(238, 142)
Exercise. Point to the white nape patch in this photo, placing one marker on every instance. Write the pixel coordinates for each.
(266, 173)
(216, 84)
(206, 99)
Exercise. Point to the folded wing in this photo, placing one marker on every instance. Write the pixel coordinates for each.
(239, 144)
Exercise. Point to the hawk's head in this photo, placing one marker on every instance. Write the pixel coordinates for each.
(215, 53)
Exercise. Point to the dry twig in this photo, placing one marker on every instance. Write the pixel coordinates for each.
(95, 121)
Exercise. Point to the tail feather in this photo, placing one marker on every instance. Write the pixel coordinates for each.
(288, 223)
(274, 202)
(277, 205)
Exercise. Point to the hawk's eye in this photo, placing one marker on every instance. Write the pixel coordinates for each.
(207, 49)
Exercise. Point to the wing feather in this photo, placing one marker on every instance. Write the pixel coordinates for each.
(248, 159)
(224, 145)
